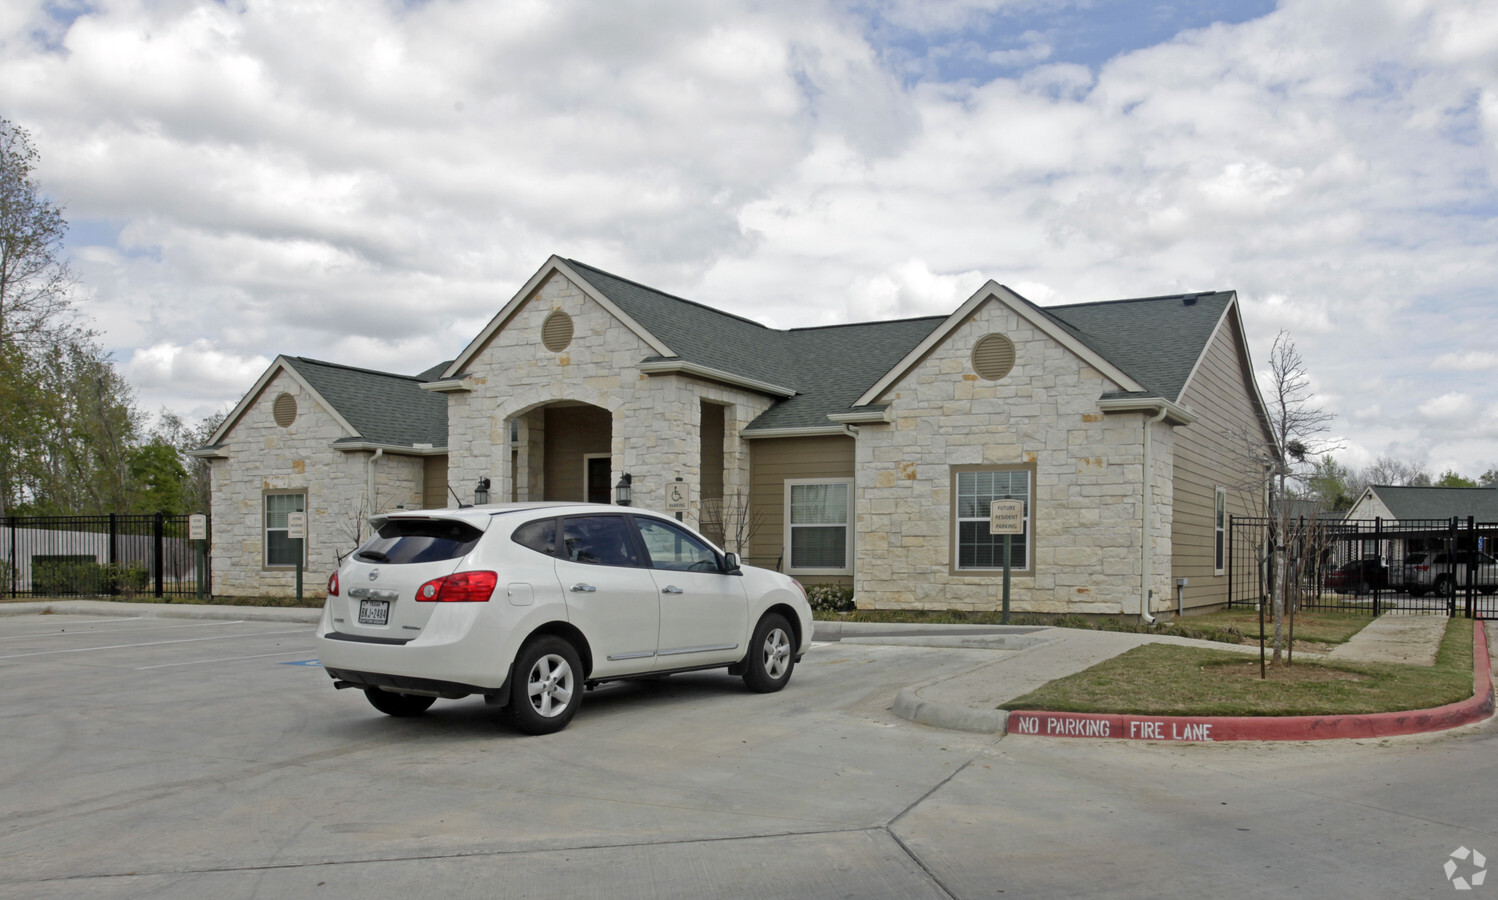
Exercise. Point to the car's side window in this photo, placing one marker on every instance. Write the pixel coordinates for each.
(599, 540)
(539, 536)
(675, 548)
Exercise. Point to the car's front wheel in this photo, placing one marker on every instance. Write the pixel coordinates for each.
(546, 686)
(772, 655)
(398, 705)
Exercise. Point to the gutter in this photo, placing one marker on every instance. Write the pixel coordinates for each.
(369, 470)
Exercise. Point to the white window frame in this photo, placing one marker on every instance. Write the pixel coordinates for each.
(1219, 531)
(1024, 565)
(847, 567)
(266, 529)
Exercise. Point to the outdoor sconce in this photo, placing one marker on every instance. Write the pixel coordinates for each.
(624, 491)
(481, 493)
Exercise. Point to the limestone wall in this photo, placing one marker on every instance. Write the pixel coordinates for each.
(1088, 481)
(264, 457)
(656, 418)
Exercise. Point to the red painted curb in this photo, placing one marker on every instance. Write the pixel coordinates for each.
(1271, 728)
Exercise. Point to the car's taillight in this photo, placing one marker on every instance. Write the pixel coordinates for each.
(800, 587)
(1422, 568)
(463, 587)
(333, 584)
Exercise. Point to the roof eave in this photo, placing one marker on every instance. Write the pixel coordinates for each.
(397, 449)
(1175, 414)
(708, 373)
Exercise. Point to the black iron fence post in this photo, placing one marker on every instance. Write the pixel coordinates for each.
(1378, 542)
(158, 556)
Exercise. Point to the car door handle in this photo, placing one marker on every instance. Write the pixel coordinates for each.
(671, 589)
(583, 589)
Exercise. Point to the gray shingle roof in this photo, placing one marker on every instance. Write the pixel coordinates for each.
(1156, 340)
(1410, 503)
(383, 408)
(827, 367)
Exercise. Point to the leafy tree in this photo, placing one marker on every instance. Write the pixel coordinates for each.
(1328, 484)
(158, 480)
(1450, 478)
(175, 432)
(1488, 478)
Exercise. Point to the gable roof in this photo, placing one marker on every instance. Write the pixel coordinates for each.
(1412, 503)
(1150, 346)
(382, 408)
(374, 408)
(1156, 340)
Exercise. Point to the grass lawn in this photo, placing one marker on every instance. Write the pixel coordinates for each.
(1167, 680)
(1236, 626)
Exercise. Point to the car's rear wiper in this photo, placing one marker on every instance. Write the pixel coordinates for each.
(375, 555)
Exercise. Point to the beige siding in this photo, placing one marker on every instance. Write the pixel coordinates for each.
(771, 462)
(1215, 451)
(572, 433)
(434, 482)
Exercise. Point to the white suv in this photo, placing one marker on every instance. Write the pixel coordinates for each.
(1437, 571)
(528, 603)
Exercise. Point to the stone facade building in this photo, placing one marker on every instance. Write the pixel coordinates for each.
(865, 454)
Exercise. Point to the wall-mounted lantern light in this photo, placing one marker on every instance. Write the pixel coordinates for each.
(624, 490)
(481, 493)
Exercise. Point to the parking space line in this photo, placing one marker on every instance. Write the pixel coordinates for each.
(222, 637)
(15, 637)
(199, 662)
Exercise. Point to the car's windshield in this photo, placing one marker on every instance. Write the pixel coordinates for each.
(401, 541)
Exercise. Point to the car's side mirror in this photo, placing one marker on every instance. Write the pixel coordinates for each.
(731, 564)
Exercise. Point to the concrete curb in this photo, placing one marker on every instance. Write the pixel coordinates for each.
(1271, 728)
(162, 610)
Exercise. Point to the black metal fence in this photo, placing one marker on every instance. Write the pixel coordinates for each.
(102, 556)
(1440, 566)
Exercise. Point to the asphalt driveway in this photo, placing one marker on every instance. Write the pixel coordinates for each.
(177, 758)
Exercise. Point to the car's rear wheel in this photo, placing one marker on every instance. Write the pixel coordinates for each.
(1445, 586)
(772, 655)
(398, 705)
(546, 687)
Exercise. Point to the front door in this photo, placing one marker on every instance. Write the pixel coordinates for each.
(598, 487)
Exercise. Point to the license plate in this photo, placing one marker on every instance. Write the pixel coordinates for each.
(374, 612)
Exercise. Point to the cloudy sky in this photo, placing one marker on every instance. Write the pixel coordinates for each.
(368, 182)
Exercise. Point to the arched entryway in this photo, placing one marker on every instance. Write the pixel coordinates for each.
(564, 451)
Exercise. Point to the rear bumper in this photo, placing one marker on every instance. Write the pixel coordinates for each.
(448, 689)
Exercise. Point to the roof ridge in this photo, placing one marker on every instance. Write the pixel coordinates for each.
(333, 365)
(1181, 296)
(867, 323)
(658, 291)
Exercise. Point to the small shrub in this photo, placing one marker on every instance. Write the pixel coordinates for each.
(830, 598)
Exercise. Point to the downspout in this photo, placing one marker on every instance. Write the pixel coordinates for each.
(852, 432)
(379, 452)
(1146, 545)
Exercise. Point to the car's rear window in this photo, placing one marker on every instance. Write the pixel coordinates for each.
(401, 541)
(1415, 559)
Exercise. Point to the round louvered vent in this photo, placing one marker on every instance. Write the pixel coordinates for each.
(284, 410)
(993, 357)
(556, 331)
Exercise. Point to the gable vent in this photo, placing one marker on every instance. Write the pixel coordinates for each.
(284, 410)
(556, 331)
(993, 357)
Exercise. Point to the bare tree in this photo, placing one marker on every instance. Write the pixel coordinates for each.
(1299, 426)
(35, 282)
(731, 520)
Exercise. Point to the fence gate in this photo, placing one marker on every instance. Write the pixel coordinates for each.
(102, 556)
(1439, 567)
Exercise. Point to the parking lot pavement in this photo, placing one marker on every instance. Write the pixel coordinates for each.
(171, 758)
(183, 759)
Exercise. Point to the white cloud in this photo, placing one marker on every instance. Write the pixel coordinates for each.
(1468, 361)
(370, 182)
